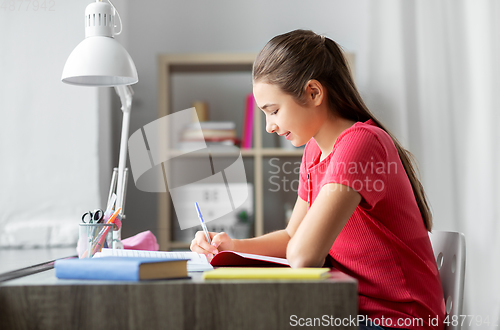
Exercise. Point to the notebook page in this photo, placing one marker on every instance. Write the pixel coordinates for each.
(265, 258)
(196, 263)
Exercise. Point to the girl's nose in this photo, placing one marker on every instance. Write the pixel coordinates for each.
(271, 127)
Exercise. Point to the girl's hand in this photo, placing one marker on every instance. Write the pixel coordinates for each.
(220, 242)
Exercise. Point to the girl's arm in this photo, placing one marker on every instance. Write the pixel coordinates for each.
(272, 244)
(313, 237)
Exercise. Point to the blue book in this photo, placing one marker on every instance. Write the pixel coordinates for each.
(121, 268)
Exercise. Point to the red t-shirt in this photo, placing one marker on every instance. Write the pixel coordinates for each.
(385, 244)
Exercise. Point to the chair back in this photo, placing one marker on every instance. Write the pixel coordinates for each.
(449, 251)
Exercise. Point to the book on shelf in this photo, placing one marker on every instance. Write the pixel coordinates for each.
(208, 134)
(213, 133)
(214, 125)
(267, 273)
(121, 268)
(247, 132)
(223, 146)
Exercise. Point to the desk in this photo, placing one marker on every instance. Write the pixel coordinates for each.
(42, 301)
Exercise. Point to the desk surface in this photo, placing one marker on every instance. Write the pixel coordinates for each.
(11, 259)
(44, 302)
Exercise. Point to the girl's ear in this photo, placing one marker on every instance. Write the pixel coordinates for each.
(315, 92)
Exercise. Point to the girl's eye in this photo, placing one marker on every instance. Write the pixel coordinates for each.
(274, 112)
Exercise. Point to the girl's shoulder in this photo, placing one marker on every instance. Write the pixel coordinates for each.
(368, 134)
(360, 136)
(364, 127)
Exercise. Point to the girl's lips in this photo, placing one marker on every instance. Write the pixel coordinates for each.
(286, 135)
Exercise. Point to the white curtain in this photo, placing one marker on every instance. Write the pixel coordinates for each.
(49, 173)
(434, 78)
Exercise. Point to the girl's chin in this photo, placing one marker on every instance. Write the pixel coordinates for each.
(296, 143)
(295, 140)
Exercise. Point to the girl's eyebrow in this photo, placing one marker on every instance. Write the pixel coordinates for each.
(267, 105)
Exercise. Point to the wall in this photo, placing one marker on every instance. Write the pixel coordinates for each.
(48, 130)
(153, 27)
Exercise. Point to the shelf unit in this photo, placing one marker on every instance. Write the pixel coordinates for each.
(169, 64)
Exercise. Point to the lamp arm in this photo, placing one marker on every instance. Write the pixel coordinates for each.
(125, 93)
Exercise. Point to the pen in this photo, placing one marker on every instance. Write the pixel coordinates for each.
(203, 223)
(106, 230)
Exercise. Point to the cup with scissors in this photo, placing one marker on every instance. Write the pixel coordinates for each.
(91, 229)
(93, 217)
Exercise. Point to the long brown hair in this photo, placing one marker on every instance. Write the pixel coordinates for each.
(290, 60)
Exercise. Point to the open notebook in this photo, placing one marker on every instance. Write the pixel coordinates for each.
(199, 263)
(196, 262)
(239, 259)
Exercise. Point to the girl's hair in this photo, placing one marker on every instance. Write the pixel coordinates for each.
(290, 60)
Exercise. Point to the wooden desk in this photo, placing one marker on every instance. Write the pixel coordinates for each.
(42, 301)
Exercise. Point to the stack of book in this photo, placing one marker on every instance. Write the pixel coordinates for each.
(214, 133)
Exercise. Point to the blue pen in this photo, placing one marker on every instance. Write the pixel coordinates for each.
(203, 223)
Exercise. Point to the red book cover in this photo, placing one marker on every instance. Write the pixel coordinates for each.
(237, 259)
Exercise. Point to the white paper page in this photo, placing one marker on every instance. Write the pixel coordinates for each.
(265, 258)
(196, 263)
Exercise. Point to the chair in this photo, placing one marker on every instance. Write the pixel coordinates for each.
(449, 250)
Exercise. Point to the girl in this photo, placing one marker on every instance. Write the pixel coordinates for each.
(360, 205)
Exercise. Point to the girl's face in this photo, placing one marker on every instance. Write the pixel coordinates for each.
(285, 117)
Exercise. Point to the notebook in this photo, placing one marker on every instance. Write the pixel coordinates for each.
(267, 273)
(196, 262)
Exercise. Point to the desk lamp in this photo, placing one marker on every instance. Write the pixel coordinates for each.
(99, 60)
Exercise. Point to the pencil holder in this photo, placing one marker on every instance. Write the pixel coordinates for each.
(93, 237)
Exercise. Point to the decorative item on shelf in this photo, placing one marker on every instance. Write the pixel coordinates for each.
(247, 134)
(214, 133)
(201, 111)
(99, 60)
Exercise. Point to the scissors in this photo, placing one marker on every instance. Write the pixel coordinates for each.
(94, 217)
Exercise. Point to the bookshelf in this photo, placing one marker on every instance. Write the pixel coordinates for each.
(263, 148)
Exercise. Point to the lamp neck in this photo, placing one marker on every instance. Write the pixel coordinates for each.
(99, 20)
(125, 93)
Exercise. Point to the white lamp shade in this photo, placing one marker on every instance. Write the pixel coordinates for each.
(99, 61)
